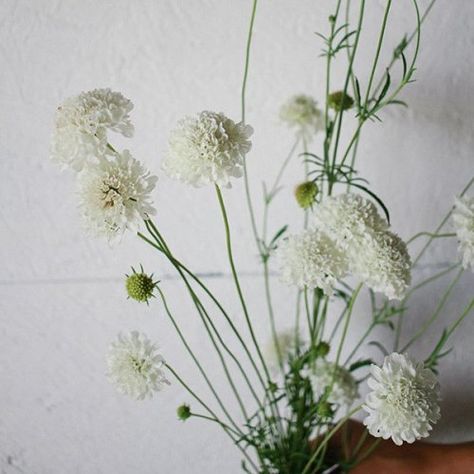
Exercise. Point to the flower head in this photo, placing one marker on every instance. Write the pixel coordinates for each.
(301, 112)
(134, 366)
(140, 286)
(326, 375)
(463, 218)
(305, 194)
(311, 260)
(375, 255)
(348, 218)
(340, 101)
(115, 195)
(403, 402)
(209, 148)
(383, 264)
(81, 126)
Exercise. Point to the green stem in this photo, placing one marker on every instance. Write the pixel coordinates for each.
(228, 430)
(340, 113)
(236, 280)
(377, 54)
(429, 234)
(204, 315)
(176, 263)
(435, 315)
(243, 92)
(196, 361)
(346, 325)
(326, 439)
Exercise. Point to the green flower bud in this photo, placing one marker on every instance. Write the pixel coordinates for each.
(322, 349)
(305, 194)
(324, 409)
(140, 286)
(340, 101)
(183, 412)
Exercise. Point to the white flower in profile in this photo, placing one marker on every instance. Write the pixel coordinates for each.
(383, 264)
(463, 218)
(326, 375)
(114, 195)
(302, 112)
(135, 366)
(403, 402)
(81, 125)
(209, 148)
(311, 260)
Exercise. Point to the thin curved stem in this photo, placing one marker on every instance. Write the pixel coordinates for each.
(430, 234)
(436, 313)
(204, 316)
(196, 361)
(228, 430)
(243, 93)
(237, 282)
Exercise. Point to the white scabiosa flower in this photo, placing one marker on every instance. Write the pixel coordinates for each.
(375, 255)
(81, 126)
(403, 402)
(311, 260)
(135, 366)
(208, 148)
(463, 218)
(348, 219)
(302, 113)
(115, 195)
(326, 375)
(383, 264)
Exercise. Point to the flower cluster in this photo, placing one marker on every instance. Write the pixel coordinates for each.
(403, 402)
(114, 188)
(349, 235)
(463, 218)
(209, 148)
(135, 366)
(301, 112)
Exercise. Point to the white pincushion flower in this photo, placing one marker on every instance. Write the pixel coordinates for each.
(403, 404)
(375, 255)
(348, 218)
(208, 148)
(311, 260)
(383, 264)
(301, 112)
(463, 218)
(323, 375)
(81, 125)
(135, 366)
(115, 195)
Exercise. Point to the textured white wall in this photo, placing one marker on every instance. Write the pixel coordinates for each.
(61, 294)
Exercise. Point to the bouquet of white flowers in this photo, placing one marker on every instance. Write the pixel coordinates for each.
(301, 390)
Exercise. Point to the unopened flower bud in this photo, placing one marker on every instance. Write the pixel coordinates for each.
(183, 412)
(140, 286)
(340, 101)
(305, 194)
(324, 409)
(322, 349)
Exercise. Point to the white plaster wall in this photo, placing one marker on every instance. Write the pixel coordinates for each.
(61, 294)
